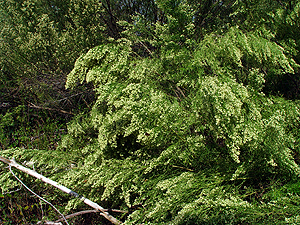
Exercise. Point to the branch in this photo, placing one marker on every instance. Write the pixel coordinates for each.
(181, 92)
(62, 188)
(76, 214)
(63, 217)
(67, 98)
(88, 211)
(47, 108)
(180, 167)
(49, 223)
(146, 48)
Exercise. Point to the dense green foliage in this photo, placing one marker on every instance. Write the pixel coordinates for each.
(196, 114)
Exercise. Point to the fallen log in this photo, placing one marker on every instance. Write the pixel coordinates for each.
(94, 205)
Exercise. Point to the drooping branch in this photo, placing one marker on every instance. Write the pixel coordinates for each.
(94, 205)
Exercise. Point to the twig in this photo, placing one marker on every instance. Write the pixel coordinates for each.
(62, 188)
(88, 211)
(63, 217)
(146, 48)
(115, 210)
(66, 98)
(9, 192)
(181, 92)
(47, 108)
(40, 202)
(49, 223)
(180, 167)
(77, 214)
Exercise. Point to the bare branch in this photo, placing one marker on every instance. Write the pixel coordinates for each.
(63, 217)
(146, 47)
(47, 108)
(94, 205)
(88, 211)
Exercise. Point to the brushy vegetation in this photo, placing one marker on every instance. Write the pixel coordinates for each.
(191, 121)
